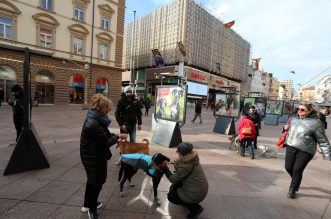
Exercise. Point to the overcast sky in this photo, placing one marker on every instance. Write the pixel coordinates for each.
(289, 35)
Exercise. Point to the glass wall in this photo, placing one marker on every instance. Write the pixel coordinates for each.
(44, 92)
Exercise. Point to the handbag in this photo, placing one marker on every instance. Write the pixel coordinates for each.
(246, 131)
(281, 140)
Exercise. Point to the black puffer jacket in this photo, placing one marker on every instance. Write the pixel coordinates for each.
(95, 142)
(128, 111)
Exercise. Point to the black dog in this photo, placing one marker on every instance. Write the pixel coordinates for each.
(151, 165)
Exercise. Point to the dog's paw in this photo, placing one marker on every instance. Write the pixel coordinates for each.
(123, 194)
(131, 185)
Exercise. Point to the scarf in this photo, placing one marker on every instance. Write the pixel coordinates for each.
(103, 120)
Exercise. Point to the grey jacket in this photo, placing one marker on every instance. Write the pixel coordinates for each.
(195, 186)
(304, 134)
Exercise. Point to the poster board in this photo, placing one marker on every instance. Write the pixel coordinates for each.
(227, 105)
(259, 103)
(274, 107)
(288, 108)
(170, 103)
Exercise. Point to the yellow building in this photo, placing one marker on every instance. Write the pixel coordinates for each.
(76, 46)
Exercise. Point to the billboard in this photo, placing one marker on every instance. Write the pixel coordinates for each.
(227, 105)
(274, 107)
(170, 103)
(197, 88)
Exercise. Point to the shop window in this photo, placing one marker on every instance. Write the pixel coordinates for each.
(8, 78)
(102, 86)
(76, 89)
(6, 28)
(44, 92)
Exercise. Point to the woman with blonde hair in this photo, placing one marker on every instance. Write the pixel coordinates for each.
(304, 132)
(95, 142)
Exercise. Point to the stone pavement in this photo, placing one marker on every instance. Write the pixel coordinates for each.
(238, 187)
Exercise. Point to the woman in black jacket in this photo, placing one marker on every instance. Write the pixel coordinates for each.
(95, 142)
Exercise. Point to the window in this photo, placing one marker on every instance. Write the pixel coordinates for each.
(46, 37)
(104, 51)
(46, 4)
(6, 28)
(105, 22)
(79, 13)
(78, 46)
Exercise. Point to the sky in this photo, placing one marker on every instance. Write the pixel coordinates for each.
(288, 35)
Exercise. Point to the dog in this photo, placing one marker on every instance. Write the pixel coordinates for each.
(127, 147)
(268, 151)
(151, 165)
(175, 107)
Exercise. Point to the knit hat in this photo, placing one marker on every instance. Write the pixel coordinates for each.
(184, 148)
(159, 158)
(16, 88)
(127, 88)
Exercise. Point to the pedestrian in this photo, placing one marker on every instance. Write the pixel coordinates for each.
(324, 112)
(18, 109)
(198, 108)
(95, 142)
(247, 133)
(147, 106)
(189, 183)
(128, 113)
(304, 132)
(256, 118)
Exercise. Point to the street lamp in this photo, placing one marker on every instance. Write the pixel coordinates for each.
(4, 75)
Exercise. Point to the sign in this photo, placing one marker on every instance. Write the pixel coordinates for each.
(196, 75)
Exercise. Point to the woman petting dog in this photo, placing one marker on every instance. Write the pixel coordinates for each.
(189, 183)
(95, 142)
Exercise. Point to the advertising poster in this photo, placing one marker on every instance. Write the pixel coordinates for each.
(260, 105)
(248, 102)
(274, 107)
(170, 103)
(288, 108)
(227, 105)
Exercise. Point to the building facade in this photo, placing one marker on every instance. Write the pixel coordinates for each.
(287, 90)
(76, 48)
(210, 48)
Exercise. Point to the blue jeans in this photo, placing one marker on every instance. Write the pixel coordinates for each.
(246, 142)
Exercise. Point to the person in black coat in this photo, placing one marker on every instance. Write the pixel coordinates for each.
(128, 113)
(18, 110)
(198, 107)
(256, 118)
(324, 111)
(95, 142)
(147, 106)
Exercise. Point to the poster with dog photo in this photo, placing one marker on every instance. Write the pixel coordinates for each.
(288, 108)
(170, 103)
(258, 102)
(227, 105)
(274, 107)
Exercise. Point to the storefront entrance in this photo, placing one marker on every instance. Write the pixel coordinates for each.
(102, 86)
(76, 89)
(44, 92)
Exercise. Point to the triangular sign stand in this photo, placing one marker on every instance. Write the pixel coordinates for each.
(29, 152)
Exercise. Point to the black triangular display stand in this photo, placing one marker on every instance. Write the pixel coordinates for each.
(167, 133)
(29, 153)
(225, 125)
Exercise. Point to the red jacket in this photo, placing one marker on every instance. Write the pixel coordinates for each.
(245, 122)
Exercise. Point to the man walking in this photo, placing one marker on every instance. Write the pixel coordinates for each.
(198, 107)
(256, 118)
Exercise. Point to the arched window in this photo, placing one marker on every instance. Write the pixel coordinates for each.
(7, 79)
(44, 92)
(76, 89)
(102, 86)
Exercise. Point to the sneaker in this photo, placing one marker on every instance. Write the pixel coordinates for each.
(84, 209)
(93, 215)
(195, 214)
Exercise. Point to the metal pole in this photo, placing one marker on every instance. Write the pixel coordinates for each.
(91, 54)
(132, 47)
(5, 88)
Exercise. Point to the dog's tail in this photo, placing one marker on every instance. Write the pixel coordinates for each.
(145, 140)
(120, 173)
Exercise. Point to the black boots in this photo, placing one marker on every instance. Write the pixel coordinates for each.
(291, 193)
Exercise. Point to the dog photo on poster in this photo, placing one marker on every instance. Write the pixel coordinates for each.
(227, 105)
(170, 103)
